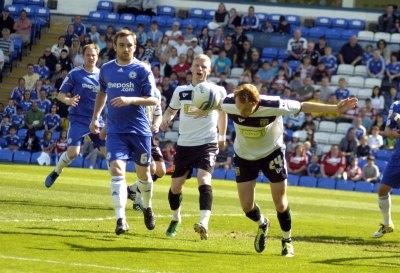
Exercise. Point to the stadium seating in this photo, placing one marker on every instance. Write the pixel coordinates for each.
(339, 23)
(356, 24)
(127, 19)
(382, 36)
(209, 14)
(105, 5)
(323, 22)
(343, 127)
(269, 53)
(39, 3)
(308, 181)
(6, 155)
(356, 81)
(363, 186)
(293, 20)
(261, 178)
(364, 93)
(381, 164)
(344, 185)
(173, 136)
(20, 2)
(34, 157)
(327, 126)
(274, 18)
(196, 13)
(166, 10)
(383, 154)
(262, 17)
(22, 157)
(187, 22)
(111, 18)
(302, 135)
(231, 174)
(161, 20)
(360, 70)
(316, 32)
(347, 33)
(170, 21)
(77, 162)
(321, 137)
(293, 180)
(365, 35)
(143, 19)
(354, 91)
(334, 139)
(345, 69)
(130, 166)
(104, 165)
(219, 173)
(372, 82)
(96, 16)
(326, 183)
(395, 38)
(236, 72)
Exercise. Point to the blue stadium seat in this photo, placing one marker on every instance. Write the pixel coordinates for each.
(86, 164)
(196, 13)
(282, 53)
(104, 165)
(2, 143)
(161, 20)
(293, 20)
(316, 32)
(127, 19)
(22, 132)
(14, 9)
(77, 162)
(39, 3)
(111, 17)
(166, 10)
(363, 186)
(130, 166)
(384, 154)
(262, 17)
(6, 155)
(231, 174)
(143, 19)
(96, 16)
(333, 33)
(361, 162)
(20, 2)
(34, 157)
(40, 134)
(395, 191)
(219, 173)
(323, 22)
(31, 11)
(209, 14)
(261, 178)
(200, 23)
(344, 185)
(269, 52)
(304, 30)
(294, 64)
(274, 18)
(56, 135)
(43, 16)
(189, 21)
(105, 5)
(22, 157)
(381, 164)
(339, 23)
(172, 20)
(308, 181)
(356, 24)
(347, 33)
(293, 180)
(375, 189)
(326, 183)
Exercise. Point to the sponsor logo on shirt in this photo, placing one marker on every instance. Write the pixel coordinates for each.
(125, 87)
(92, 87)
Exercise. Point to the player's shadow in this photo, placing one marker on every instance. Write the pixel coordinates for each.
(370, 261)
(46, 205)
(345, 240)
(133, 249)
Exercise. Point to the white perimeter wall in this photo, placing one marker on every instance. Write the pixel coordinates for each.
(82, 7)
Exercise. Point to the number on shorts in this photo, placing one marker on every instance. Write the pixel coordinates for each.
(212, 159)
(143, 158)
(276, 163)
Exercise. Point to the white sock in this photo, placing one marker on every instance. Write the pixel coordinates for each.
(385, 204)
(205, 217)
(146, 189)
(63, 162)
(261, 221)
(286, 234)
(119, 195)
(176, 215)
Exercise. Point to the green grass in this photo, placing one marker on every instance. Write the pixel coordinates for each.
(70, 228)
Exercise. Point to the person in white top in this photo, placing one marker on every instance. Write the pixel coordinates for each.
(174, 33)
(56, 48)
(375, 140)
(198, 145)
(259, 146)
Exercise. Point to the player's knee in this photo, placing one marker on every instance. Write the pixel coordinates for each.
(383, 190)
(160, 172)
(72, 154)
(281, 207)
(176, 188)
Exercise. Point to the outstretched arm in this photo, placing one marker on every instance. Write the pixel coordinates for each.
(342, 106)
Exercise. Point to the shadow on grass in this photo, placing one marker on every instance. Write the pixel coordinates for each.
(372, 261)
(134, 249)
(346, 240)
(46, 205)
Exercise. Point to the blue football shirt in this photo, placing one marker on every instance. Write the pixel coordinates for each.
(132, 80)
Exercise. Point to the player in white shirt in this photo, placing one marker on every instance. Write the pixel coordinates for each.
(259, 146)
(198, 145)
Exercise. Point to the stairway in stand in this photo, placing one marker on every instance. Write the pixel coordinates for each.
(48, 38)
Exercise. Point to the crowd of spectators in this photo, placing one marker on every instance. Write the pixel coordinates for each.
(226, 40)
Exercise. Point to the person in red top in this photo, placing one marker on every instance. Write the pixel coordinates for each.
(181, 68)
(168, 154)
(298, 161)
(61, 144)
(353, 172)
(22, 27)
(333, 163)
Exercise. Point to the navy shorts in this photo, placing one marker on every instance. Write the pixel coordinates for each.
(124, 146)
(391, 174)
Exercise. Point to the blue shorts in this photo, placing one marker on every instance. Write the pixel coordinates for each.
(126, 146)
(77, 130)
(391, 174)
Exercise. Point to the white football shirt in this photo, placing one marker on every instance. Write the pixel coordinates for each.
(194, 131)
(261, 133)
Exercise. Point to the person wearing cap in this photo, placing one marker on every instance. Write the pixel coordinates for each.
(155, 34)
(22, 27)
(174, 34)
(196, 48)
(6, 21)
(57, 48)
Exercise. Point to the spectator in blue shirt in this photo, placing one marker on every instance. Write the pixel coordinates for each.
(367, 55)
(250, 21)
(222, 64)
(18, 120)
(342, 92)
(4, 125)
(393, 69)
(314, 168)
(26, 103)
(358, 127)
(79, 28)
(13, 142)
(376, 66)
(155, 34)
(52, 121)
(42, 69)
(18, 92)
(266, 74)
(43, 103)
(10, 109)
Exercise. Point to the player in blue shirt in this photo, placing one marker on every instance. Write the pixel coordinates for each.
(127, 86)
(44, 103)
(376, 66)
(83, 83)
(391, 174)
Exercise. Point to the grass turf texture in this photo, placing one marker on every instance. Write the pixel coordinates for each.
(70, 228)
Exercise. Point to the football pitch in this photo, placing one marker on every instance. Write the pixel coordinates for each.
(70, 228)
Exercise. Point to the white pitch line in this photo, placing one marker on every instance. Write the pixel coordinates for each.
(78, 264)
(106, 218)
